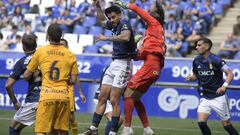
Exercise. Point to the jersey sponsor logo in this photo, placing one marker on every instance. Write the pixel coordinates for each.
(170, 100)
(206, 73)
(28, 58)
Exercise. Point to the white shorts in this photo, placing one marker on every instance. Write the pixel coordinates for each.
(219, 105)
(118, 73)
(26, 114)
(108, 106)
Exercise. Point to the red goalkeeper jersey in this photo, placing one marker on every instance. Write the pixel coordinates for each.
(154, 36)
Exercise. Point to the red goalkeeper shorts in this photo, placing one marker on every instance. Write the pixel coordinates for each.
(147, 74)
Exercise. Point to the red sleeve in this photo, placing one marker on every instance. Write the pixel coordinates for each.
(142, 13)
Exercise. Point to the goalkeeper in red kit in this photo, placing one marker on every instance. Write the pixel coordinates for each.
(152, 53)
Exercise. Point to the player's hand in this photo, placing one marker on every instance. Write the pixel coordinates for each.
(101, 38)
(17, 106)
(221, 90)
(121, 4)
(96, 3)
(83, 98)
(189, 78)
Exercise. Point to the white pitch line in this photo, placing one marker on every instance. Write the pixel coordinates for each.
(158, 128)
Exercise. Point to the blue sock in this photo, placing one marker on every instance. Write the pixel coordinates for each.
(13, 131)
(96, 119)
(231, 130)
(204, 128)
(115, 121)
(108, 128)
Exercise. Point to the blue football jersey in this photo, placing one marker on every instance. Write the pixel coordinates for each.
(34, 82)
(122, 50)
(210, 75)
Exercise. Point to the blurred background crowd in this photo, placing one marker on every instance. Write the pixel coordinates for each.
(185, 22)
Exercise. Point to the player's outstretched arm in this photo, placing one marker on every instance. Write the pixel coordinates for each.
(142, 13)
(100, 14)
(27, 75)
(229, 78)
(72, 79)
(83, 98)
(9, 87)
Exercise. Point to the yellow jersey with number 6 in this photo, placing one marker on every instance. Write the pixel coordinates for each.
(56, 63)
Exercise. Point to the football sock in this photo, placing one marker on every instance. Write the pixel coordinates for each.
(96, 119)
(128, 109)
(108, 128)
(115, 121)
(74, 128)
(139, 106)
(13, 131)
(231, 130)
(204, 128)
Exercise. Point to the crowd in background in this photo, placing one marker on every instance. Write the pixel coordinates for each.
(185, 22)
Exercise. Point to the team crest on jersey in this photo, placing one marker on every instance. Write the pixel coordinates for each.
(210, 66)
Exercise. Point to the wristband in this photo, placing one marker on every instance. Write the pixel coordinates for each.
(225, 84)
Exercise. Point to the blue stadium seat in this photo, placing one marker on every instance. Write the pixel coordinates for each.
(89, 21)
(107, 33)
(78, 29)
(95, 30)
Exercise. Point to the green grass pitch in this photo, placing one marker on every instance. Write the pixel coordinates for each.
(161, 126)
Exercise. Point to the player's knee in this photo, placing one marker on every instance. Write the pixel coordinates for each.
(102, 99)
(114, 102)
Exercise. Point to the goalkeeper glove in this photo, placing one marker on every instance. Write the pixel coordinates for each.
(121, 4)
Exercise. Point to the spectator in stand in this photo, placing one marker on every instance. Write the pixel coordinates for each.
(192, 8)
(178, 6)
(12, 39)
(173, 47)
(28, 30)
(17, 17)
(83, 7)
(44, 21)
(186, 28)
(66, 21)
(57, 9)
(206, 13)
(4, 19)
(168, 9)
(171, 27)
(25, 5)
(236, 27)
(11, 6)
(228, 47)
(73, 9)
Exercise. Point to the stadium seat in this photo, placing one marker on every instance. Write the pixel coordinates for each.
(71, 38)
(86, 39)
(42, 38)
(89, 21)
(79, 29)
(107, 33)
(95, 30)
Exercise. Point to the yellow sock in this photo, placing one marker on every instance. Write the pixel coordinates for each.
(74, 128)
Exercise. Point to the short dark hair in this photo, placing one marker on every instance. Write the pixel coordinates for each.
(206, 41)
(64, 40)
(54, 32)
(14, 27)
(29, 42)
(111, 9)
(1, 35)
(159, 14)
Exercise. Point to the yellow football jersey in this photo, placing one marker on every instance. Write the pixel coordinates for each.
(56, 63)
(71, 97)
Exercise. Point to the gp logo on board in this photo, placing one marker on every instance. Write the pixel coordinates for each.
(170, 100)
